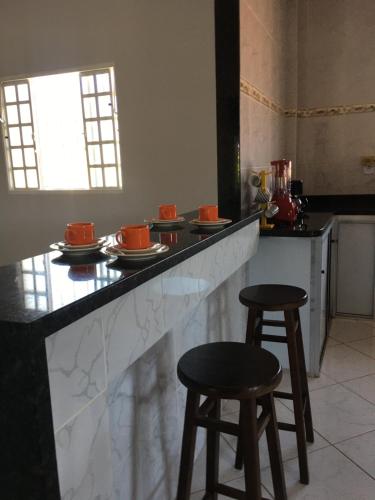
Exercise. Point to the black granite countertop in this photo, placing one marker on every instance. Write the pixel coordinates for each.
(47, 292)
(312, 224)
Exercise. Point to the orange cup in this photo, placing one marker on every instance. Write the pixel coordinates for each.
(167, 212)
(80, 233)
(134, 237)
(208, 213)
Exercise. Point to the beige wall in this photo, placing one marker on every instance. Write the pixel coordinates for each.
(164, 60)
(303, 55)
(267, 52)
(336, 67)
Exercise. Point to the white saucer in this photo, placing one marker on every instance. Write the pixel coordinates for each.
(97, 242)
(78, 251)
(152, 248)
(210, 223)
(165, 222)
(113, 251)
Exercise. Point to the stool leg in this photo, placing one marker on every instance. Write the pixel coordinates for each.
(212, 463)
(305, 386)
(295, 376)
(250, 447)
(239, 455)
(254, 322)
(188, 447)
(274, 450)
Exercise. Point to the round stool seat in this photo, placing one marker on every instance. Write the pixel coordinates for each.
(230, 370)
(273, 297)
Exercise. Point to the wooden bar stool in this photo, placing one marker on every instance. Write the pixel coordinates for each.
(288, 299)
(230, 370)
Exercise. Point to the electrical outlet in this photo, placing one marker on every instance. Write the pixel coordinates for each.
(369, 169)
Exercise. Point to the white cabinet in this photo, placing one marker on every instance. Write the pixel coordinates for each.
(355, 266)
(302, 262)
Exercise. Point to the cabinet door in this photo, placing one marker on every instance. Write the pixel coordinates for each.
(355, 269)
(323, 290)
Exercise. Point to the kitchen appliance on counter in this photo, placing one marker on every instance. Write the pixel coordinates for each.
(296, 190)
(288, 209)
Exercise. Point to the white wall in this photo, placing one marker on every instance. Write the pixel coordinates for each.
(164, 57)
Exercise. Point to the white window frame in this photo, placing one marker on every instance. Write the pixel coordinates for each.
(98, 118)
(8, 147)
(113, 117)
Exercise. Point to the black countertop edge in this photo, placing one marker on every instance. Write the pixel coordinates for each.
(42, 324)
(311, 225)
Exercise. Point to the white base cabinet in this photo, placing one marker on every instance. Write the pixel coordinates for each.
(355, 266)
(301, 262)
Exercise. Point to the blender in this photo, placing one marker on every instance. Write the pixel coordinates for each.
(282, 171)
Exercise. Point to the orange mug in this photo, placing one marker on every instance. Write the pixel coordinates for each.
(208, 213)
(134, 237)
(167, 212)
(80, 233)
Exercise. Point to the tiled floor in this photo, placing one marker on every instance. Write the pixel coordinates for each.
(342, 459)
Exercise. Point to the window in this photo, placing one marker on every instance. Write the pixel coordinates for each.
(61, 132)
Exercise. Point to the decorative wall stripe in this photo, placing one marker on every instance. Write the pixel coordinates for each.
(332, 110)
(251, 91)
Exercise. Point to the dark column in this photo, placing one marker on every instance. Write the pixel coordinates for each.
(227, 42)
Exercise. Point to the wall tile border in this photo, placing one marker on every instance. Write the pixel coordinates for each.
(251, 91)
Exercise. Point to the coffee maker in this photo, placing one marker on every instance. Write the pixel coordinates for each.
(282, 172)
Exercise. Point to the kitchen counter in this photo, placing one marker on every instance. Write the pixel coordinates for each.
(312, 224)
(47, 292)
(90, 404)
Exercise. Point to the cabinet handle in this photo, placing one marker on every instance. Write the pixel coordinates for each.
(323, 271)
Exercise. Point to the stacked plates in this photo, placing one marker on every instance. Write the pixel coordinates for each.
(154, 250)
(210, 223)
(165, 222)
(79, 250)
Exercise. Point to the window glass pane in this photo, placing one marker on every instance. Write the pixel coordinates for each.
(42, 303)
(106, 129)
(92, 131)
(105, 105)
(17, 158)
(27, 136)
(19, 179)
(29, 157)
(102, 82)
(88, 86)
(14, 136)
(12, 115)
(10, 93)
(28, 282)
(89, 106)
(109, 153)
(39, 264)
(110, 177)
(40, 282)
(25, 113)
(94, 155)
(32, 178)
(29, 301)
(96, 176)
(23, 92)
(27, 265)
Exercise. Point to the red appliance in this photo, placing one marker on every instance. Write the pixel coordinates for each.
(288, 210)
